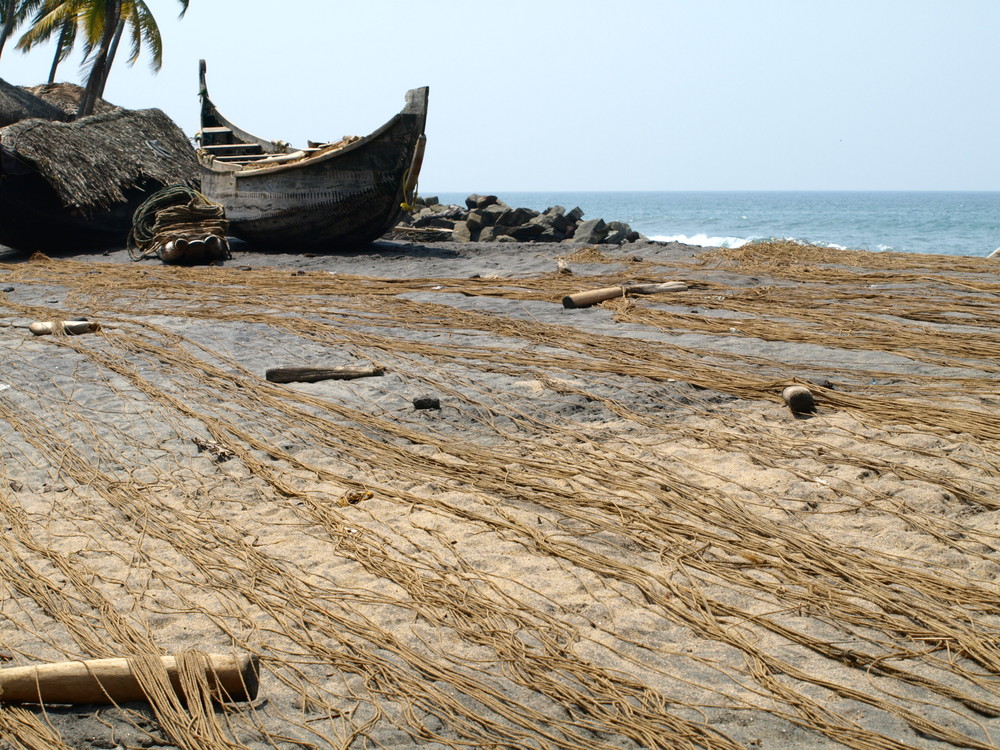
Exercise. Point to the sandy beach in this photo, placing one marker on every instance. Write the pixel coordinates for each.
(606, 530)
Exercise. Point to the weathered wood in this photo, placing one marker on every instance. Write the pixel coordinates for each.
(410, 183)
(592, 297)
(586, 299)
(315, 374)
(667, 286)
(69, 327)
(234, 678)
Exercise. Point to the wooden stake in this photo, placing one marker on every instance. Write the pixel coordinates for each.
(234, 678)
(667, 286)
(315, 374)
(586, 299)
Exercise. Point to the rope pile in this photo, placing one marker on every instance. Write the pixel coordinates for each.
(177, 213)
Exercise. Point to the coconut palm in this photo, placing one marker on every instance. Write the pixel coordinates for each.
(64, 45)
(8, 16)
(13, 13)
(102, 24)
(45, 26)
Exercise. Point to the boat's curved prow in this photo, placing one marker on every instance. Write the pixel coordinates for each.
(416, 104)
(213, 125)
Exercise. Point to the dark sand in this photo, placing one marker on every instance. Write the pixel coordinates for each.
(612, 533)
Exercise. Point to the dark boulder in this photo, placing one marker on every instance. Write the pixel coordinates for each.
(465, 233)
(515, 217)
(591, 232)
(489, 219)
(475, 220)
(481, 201)
(491, 213)
(617, 232)
(525, 232)
(490, 234)
(556, 218)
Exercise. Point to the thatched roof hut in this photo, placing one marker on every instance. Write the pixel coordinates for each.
(18, 104)
(92, 162)
(66, 96)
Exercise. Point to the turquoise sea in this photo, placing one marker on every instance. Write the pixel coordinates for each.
(951, 223)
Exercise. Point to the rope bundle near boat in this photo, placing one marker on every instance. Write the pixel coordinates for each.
(179, 225)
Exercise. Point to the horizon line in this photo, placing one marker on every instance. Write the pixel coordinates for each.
(725, 190)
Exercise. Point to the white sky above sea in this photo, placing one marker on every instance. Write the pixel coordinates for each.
(585, 95)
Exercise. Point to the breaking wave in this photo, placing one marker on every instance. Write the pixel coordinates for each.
(704, 240)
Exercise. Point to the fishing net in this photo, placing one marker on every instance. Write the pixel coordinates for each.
(612, 534)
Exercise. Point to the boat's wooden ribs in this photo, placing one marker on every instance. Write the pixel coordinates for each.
(221, 144)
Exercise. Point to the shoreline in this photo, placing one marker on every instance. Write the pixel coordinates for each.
(903, 221)
(611, 533)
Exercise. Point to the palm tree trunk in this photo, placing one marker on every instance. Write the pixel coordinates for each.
(55, 61)
(8, 23)
(111, 54)
(99, 71)
(64, 45)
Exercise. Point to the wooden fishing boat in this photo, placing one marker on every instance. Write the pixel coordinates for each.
(325, 197)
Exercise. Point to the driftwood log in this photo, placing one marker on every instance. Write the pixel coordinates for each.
(799, 399)
(592, 297)
(234, 678)
(70, 327)
(315, 374)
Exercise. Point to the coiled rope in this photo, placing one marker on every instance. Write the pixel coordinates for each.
(176, 212)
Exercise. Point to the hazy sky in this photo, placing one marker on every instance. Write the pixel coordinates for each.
(611, 95)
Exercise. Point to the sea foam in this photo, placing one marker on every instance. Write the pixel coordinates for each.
(703, 239)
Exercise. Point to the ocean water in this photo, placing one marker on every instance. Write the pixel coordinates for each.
(949, 223)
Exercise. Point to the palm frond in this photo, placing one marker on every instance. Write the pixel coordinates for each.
(95, 16)
(90, 22)
(23, 9)
(49, 17)
(67, 39)
(145, 29)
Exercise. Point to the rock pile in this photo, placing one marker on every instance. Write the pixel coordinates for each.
(486, 218)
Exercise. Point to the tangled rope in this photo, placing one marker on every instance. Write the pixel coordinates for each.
(176, 213)
(606, 520)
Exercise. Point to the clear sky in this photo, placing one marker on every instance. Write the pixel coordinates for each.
(611, 95)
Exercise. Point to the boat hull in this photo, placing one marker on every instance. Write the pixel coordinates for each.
(346, 200)
(331, 200)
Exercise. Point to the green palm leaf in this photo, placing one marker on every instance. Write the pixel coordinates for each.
(98, 24)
